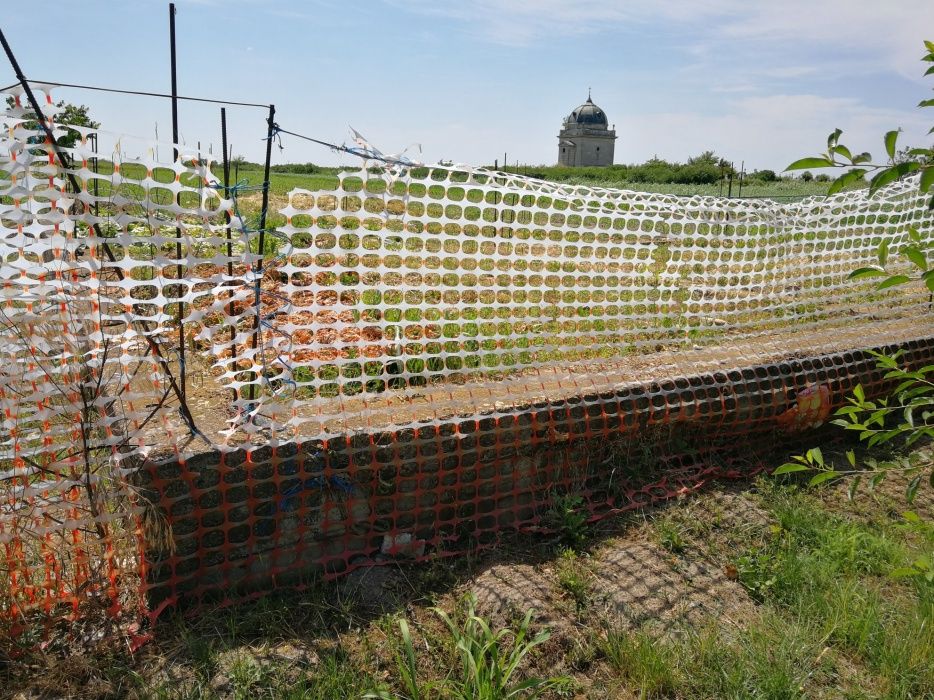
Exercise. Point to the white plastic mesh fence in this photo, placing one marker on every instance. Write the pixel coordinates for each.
(383, 294)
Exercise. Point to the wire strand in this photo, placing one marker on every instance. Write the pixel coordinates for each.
(360, 153)
(137, 92)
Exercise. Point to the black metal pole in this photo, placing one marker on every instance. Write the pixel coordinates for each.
(230, 311)
(40, 117)
(174, 77)
(96, 165)
(258, 271)
(179, 269)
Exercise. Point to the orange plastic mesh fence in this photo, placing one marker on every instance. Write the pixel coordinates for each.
(421, 358)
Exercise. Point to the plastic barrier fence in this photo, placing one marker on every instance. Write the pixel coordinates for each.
(406, 362)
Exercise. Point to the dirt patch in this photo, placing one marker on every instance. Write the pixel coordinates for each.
(637, 582)
(891, 493)
(730, 511)
(506, 592)
(374, 588)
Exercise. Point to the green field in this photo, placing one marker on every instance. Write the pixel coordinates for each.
(283, 182)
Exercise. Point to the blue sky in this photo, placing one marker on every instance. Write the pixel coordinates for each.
(755, 80)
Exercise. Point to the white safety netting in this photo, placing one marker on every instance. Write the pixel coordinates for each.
(391, 280)
(386, 297)
(441, 276)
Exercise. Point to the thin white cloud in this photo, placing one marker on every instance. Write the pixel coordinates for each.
(523, 22)
(886, 34)
(890, 31)
(767, 131)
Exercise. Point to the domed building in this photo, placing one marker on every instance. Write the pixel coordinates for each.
(585, 137)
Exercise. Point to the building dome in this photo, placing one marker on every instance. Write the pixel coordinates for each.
(586, 138)
(588, 114)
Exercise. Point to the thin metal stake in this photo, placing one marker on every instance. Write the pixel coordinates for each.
(258, 271)
(230, 310)
(179, 269)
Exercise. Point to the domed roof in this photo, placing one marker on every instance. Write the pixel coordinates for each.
(588, 114)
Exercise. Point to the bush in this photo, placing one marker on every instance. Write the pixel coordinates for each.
(300, 168)
(764, 175)
(655, 171)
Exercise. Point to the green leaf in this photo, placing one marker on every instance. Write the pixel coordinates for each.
(823, 476)
(929, 71)
(926, 103)
(851, 457)
(806, 163)
(904, 572)
(917, 257)
(929, 283)
(864, 272)
(843, 151)
(833, 139)
(927, 179)
(911, 517)
(890, 138)
(864, 157)
(893, 281)
(886, 360)
(883, 252)
(848, 178)
(912, 489)
(914, 234)
(790, 467)
(815, 456)
(854, 486)
(883, 178)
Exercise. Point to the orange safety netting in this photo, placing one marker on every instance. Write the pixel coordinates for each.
(410, 360)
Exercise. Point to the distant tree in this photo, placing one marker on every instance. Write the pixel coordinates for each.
(807, 176)
(70, 115)
(705, 158)
(764, 175)
(823, 177)
(909, 154)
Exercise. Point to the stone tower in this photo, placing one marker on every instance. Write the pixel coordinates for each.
(585, 137)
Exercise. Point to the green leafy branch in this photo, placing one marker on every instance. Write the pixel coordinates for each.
(860, 164)
(915, 253)
(906, 416)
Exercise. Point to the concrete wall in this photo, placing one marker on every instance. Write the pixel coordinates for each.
(588, 150)
(258, 517)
